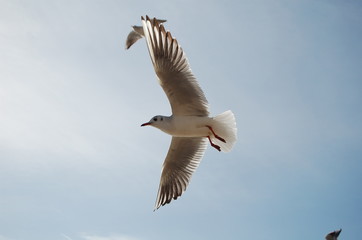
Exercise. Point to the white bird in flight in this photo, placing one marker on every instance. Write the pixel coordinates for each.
(190, 124)
(333, 235)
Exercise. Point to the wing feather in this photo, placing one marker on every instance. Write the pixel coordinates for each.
(181, 161)
(173, 71)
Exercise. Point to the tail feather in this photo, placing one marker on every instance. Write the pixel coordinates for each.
(224, 125)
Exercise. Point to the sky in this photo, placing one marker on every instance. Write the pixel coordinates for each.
(76, 165)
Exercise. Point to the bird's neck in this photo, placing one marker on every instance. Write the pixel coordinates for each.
(166, 124)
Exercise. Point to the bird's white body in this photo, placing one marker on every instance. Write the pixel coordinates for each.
(185, 126)
(199, 126)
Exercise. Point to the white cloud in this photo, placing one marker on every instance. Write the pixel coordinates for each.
(112, 237)
(66, 237)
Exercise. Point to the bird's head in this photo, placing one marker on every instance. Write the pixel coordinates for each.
(156, 121)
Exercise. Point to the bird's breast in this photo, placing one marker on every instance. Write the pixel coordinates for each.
(189, 126)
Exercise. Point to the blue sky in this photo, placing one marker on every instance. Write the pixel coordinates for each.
(75, 164)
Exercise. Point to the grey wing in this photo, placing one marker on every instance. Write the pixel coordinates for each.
(137, 33)
(159, 21)
(181, 161)
(133, 37)
(173, 71)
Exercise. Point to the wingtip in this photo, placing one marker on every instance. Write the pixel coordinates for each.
(162, 28)
(153, 21)
(157, 205)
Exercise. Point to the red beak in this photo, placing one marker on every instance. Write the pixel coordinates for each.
(145, 124)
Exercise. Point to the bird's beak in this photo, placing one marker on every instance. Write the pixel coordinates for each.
(146, 124)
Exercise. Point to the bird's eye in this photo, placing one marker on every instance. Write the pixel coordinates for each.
(155, 119)
(161, 118)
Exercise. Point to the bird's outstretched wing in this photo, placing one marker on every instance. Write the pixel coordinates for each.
(333, 235)
(173, 71)
(181, 161)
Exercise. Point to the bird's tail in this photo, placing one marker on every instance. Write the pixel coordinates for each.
(224, 125)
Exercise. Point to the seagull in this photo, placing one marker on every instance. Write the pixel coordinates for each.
(333, 235)
(190, 124)
(137, 33)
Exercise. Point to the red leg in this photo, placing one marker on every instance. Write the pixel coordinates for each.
(214, 145)
(220, 138)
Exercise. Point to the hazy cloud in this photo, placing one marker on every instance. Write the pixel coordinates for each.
(4, 238)
(112, 237)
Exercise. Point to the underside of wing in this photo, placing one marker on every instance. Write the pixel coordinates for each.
(181, 161)
(133, 37)
(173, 71)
